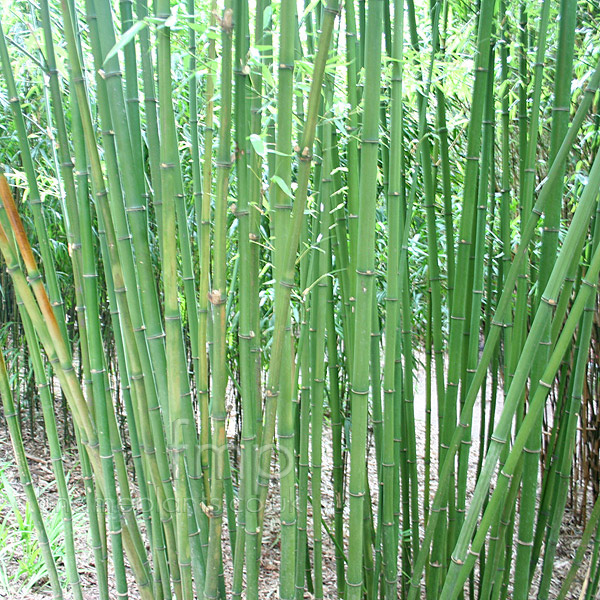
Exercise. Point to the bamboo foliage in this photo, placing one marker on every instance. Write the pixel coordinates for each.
(272, 210)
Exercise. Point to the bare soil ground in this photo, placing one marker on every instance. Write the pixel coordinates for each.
(270, 565)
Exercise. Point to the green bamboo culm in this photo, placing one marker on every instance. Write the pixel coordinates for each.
(10, 413)
(217, 299)
(234, 231)
(388, 462)
(365, 272)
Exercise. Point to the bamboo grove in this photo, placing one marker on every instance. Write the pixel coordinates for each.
(280, 219)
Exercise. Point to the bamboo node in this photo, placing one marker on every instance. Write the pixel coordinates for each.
(108, 74)
(360, 392)
(156, 336)
(140, 208)
(356, 494)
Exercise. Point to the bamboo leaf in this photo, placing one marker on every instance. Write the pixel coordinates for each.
(309, 9)
(268, 77)
(172, 19)
(283, 185)
(258, 144)
(125, 39)
(267, 14)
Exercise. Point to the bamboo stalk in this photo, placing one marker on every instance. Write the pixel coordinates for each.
(25, 477)
(364, 300)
